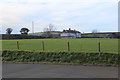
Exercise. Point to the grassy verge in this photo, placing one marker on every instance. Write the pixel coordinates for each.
(60, 57)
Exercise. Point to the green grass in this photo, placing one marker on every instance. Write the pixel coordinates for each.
(76, 45)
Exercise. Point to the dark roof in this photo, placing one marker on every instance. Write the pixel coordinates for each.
(70, 31)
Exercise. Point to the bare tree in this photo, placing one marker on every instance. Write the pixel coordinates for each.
(9, 30)
(94, 32)
(48, 30)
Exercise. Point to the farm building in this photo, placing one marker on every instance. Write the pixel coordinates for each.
(70, 34)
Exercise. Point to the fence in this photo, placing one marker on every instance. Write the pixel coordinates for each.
(72, 45)
(67, 45)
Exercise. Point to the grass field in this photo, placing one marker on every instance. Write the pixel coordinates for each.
(77, 45)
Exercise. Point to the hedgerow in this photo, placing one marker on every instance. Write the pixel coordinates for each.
(60, 57)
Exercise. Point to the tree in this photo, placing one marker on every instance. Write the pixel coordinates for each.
(9, 30)
(94, 32)
(24, 30)
(48, 30)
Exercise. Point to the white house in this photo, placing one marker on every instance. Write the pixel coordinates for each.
(70, 34)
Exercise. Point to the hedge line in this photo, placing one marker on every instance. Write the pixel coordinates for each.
(20, 36)
(61, 57)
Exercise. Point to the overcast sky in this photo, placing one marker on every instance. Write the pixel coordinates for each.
(82, 15)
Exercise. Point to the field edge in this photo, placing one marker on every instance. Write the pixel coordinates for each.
(17, 56)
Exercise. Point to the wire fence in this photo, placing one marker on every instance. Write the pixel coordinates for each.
(67, 45)
(72, 45)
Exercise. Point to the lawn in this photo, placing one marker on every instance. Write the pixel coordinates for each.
(76, 45)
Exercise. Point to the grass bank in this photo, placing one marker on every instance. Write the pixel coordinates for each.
(60, 57)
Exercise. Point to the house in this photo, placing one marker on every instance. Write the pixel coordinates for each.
(70, 34)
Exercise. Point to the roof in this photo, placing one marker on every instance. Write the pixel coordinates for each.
(70, 31)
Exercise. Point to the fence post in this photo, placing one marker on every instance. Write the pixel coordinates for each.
(43, 45)
(68, 46)
(17, 44)
(99, 47)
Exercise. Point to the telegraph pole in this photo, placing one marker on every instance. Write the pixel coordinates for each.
(32, 27)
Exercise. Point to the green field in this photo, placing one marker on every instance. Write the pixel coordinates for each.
(77, 45)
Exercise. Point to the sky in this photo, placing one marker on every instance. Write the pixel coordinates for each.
(81, 15)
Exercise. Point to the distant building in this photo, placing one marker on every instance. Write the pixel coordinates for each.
(70, 34)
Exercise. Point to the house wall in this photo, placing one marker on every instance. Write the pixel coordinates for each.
(78, 35)
(70, 35)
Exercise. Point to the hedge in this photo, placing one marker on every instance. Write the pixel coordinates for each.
(60, 57)
(20, 36)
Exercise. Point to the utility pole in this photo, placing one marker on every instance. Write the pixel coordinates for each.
(32, 27)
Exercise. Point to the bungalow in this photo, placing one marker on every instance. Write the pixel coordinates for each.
(70, 34)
